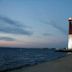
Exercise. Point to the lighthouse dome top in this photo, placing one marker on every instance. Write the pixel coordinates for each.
(70, 19)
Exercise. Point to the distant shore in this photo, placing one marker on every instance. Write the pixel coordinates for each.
(61, 65)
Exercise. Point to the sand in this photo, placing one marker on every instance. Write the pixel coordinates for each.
(61, 65)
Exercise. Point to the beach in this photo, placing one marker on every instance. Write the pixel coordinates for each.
(63, 64)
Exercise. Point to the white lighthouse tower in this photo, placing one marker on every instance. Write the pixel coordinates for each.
(70, 34)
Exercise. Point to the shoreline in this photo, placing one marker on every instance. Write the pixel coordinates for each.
(12, 66)
(57, 65)
(30, 65)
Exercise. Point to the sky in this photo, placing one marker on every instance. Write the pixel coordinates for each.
(34, 23)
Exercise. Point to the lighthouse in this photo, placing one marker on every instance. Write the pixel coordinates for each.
(70, 34)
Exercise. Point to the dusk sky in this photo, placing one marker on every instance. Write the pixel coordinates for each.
(34, 23)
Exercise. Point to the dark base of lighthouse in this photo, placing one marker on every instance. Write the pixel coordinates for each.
(64, 50)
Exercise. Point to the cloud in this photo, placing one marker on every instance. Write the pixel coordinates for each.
(7, 39)
(9, 26)
(47, 34)
(57, 26)
(11, 22)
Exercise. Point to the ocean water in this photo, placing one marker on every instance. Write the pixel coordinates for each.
(13, 58)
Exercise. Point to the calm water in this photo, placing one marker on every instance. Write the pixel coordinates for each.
(11, 58)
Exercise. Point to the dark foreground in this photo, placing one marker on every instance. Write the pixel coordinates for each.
(17, 58)
(60, 65)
